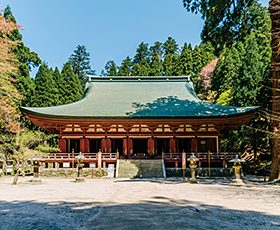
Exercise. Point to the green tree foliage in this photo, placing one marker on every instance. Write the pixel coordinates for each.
(142, 53)
(247, 86)
(156, 67)
(16, 88)
(232, 59)
(46, 92)
(141, 61)
(165, 59)
(242, 78)
(202, 55)
(239, 32)
(72, 89)
(22, 147)
(225, 21)
(22, 59)
(225, 98)
(170, 46)
(15, 34)
(186, 60)
(227, 69)
(60, 85)
(111, 69)
(10, 96)
(170, 66)
(197, 60)
(171, 57)
(126, 67)
(80, 62)
(208, 52)
(26, 85)
(26, 60)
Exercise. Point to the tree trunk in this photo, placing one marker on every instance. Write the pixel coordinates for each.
(16, 178)
(17, 174)
(274, 9)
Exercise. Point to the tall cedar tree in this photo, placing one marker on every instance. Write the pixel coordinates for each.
(26, 60)
(197, 56)
(231, 57)
(156, 68)
(227, 71)
(171, 57)
(274, 8)
(225, 21)
(185, 60)
(60, 85)
(126, 67)
(170, 46)
(247, 86)
(72, 88)
(9, 94)
(110, 69)
(46, 92)
(242, 78)
(141, 61)
(202, 55)
(80, 62)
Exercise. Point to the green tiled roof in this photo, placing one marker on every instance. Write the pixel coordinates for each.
(143, 97)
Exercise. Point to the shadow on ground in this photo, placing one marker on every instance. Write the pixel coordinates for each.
(218, 181)
(158, 213)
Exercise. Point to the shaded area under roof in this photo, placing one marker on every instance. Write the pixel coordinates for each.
(139, 97)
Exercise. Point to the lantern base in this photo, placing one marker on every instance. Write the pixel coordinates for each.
(80, 179)
(192, 181)
(237, 182)
(35, 180)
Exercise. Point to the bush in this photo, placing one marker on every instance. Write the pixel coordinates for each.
(200, 172)
(66, 172)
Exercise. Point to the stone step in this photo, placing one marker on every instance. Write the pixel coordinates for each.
(140, 168)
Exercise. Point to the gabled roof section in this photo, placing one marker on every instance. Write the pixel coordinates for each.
(138, 97)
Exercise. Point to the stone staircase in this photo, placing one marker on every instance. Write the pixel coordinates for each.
(140, 169)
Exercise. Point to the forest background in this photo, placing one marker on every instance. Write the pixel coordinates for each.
(231, 66)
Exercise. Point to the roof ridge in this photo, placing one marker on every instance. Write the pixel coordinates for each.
(139, 78)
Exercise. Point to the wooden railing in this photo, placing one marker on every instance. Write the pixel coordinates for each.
(200, 156)
(88, 156)
(166, 156)
(172, 156)
(110, 156)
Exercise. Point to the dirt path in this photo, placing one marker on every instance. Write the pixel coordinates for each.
(137, 204)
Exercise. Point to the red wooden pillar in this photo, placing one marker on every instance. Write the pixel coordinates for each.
(129, 146)
(125, 150)
(109, 145)
(194, 145)
(62, 145)
(86, 145)
(151, 146)
(172, 145)
(106, 144)
(82, 145)
(103, 145)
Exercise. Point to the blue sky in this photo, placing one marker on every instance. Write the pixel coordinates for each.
(111, 30)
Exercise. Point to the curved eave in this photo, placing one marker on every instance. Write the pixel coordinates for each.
(30, 112)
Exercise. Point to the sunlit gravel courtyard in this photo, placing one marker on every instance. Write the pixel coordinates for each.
(58, 203)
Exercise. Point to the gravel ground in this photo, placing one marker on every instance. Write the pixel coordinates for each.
(58, 203)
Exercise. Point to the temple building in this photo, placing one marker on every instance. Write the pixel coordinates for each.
(139, 118)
